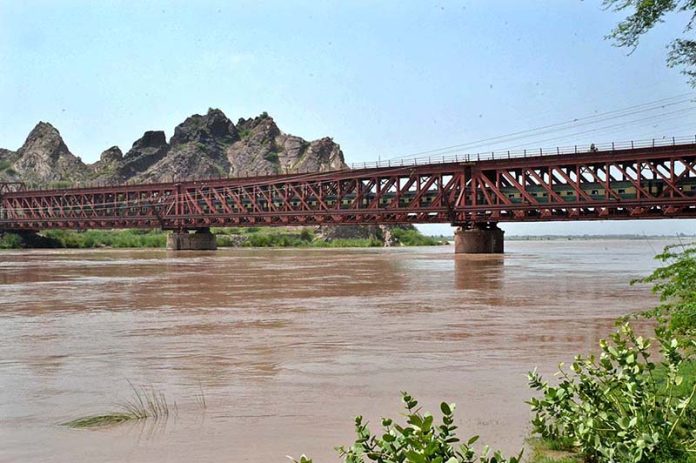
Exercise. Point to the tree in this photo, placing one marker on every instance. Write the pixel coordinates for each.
(645, 14)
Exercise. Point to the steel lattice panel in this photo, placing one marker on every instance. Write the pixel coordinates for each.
(625, 184)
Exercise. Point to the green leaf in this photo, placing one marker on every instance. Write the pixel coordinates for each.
(445, 408)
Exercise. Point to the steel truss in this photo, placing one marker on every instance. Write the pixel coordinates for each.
(647, 183)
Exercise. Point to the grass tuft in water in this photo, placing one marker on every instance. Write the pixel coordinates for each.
(200, 398)
(146, 402)
(99, 420)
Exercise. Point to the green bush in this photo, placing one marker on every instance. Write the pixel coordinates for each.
(10, 241)
(59, 184)
(108, 238)
(419, 440)
(675, 283)
(224, 241)
(307, 234)
(412, 237)
(349, 243)
(623, 406)
(615, 408)
(280, 240)
(226, 230)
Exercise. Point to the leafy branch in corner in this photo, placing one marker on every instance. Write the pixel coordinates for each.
(646, 14)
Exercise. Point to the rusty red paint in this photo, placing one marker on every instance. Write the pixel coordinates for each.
(657, 182)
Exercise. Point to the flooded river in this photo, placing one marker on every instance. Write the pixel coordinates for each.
(287, 346)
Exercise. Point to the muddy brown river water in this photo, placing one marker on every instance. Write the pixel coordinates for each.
(287, 346)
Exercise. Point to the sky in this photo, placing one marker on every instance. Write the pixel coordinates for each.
(385, 79)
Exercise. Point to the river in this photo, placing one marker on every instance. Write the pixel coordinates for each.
(288, 345)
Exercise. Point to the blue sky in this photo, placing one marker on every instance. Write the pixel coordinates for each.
(384, 79)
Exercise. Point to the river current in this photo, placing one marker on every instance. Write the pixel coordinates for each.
(286, 346)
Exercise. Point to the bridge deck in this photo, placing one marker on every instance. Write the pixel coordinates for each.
(651, 182)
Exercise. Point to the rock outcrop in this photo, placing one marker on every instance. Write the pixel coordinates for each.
(105, 170)
(203, 146)
(45, 159)
(381, 233)
(7, 173)
(6, 155)
(196, 150)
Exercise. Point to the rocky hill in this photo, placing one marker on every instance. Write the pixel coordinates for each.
(203, 146)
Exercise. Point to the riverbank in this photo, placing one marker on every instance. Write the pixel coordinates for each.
(292, 237)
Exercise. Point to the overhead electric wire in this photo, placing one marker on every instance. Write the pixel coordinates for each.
(561, 126)
(653, 119)
(650, 119)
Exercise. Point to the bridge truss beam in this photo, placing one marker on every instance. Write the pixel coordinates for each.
(648, 183)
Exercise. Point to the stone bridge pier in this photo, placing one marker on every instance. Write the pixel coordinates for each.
(200, 240)
(479, 238)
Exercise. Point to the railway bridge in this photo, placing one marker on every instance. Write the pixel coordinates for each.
(648, 180)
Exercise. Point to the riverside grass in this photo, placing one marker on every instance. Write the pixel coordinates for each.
(146, 402)
(226, 237)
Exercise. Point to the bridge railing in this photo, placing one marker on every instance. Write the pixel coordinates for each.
(521, 153)
(416, 161)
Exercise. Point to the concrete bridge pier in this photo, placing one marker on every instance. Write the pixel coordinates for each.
(200, 240)
(479, 238)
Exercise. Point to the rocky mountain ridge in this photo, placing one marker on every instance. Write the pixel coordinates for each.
(203, 146)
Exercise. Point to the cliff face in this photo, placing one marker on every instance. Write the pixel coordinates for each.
(203, 146)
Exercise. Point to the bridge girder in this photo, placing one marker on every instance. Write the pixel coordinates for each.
(646, 183)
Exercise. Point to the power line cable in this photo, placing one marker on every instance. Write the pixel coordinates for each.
(627, 111)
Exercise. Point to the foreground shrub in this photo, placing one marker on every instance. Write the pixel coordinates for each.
(617, 408)
(419, 440)
(675, 283)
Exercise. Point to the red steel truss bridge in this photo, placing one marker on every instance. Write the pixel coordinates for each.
(653, 180)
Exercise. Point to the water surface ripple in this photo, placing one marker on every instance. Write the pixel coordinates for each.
(289, 345)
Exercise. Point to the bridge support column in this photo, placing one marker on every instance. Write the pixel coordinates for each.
(200, 240)
(479, 238)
